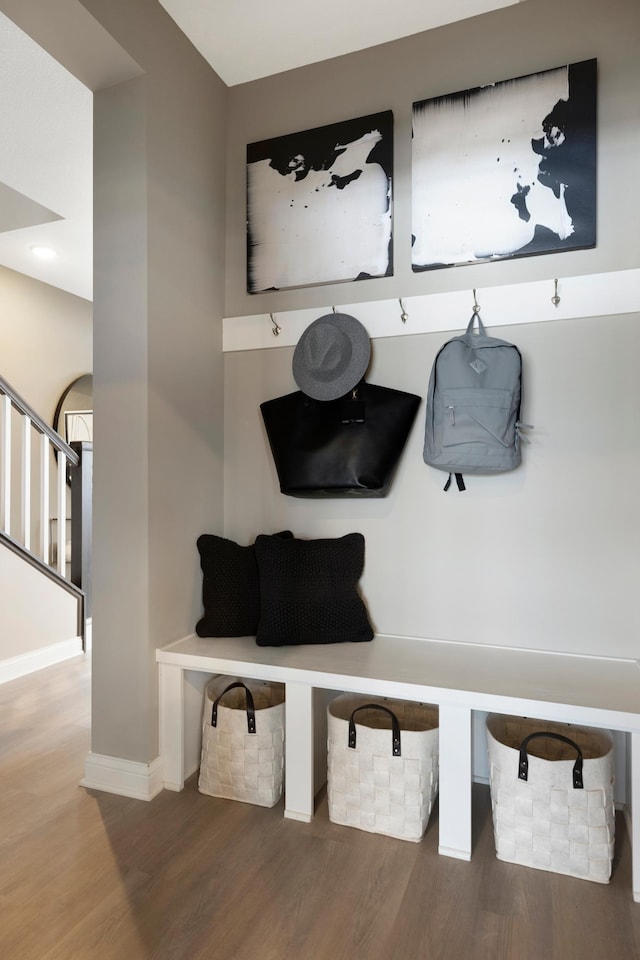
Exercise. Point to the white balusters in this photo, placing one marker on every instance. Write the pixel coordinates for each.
(61, 499)
(25, 503)
(5, 464)
(44, 496)
(17, 474)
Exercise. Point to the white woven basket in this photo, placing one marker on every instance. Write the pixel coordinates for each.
(544, 821)
(369, 787)
(235, 763)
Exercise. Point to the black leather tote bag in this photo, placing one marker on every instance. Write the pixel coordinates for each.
(348, 447)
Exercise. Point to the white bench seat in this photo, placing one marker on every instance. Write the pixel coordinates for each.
(458, 677)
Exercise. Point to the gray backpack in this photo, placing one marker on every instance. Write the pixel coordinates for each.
(473, 406)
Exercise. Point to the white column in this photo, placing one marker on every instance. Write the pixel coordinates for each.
(172, 725)
(25, 506)
(455, 782)
(635, 815)
(5, 463)
(299, 773)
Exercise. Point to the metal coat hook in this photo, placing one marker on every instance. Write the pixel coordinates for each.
(555, 299)
(476, 305)
(276, 329)
(404, 316)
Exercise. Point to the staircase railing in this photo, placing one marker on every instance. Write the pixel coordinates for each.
(26, 494)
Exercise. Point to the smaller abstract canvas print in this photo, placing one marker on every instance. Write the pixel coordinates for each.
(505, 170)
(319, 205)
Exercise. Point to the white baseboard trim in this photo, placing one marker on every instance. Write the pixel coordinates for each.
(26, 663)
(294, 815)
(453, 852)
(127, 778)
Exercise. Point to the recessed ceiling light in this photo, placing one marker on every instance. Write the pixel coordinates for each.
(43, 253)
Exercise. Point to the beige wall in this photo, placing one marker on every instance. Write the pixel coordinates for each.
(45, 337)
(545, 557)
(35, 612)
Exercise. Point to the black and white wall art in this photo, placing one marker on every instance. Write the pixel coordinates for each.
(319, 205)
(505, 170)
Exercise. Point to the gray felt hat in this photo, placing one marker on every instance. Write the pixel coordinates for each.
(331, 356)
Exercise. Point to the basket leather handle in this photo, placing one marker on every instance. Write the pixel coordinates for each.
(251, 710)
(395, 727)
(523, 762)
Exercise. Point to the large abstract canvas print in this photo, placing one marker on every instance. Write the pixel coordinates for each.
(319, 205)
(505, 170)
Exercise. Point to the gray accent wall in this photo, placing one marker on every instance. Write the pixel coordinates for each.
(159, 209)
(525, 38)
(545, 557)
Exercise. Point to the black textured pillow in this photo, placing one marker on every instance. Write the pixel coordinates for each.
(309, 591)
(230, 587)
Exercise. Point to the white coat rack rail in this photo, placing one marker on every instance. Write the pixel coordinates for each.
(594, 295)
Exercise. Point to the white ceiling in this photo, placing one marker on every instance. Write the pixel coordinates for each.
(251, 39)
(45, 165)
(46, 147)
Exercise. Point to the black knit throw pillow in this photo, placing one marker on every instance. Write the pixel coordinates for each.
(309, 591)
(230, 587)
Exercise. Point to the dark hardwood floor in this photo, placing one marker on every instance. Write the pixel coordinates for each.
(92, 876)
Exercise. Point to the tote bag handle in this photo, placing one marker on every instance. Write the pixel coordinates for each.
(523, 763)
(250, 707)
(395, 727)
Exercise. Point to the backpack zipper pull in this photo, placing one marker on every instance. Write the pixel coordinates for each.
(452, 415)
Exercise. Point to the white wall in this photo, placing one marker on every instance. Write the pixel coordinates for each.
(545, 557)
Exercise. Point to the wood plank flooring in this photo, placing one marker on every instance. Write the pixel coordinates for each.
(92, 876)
